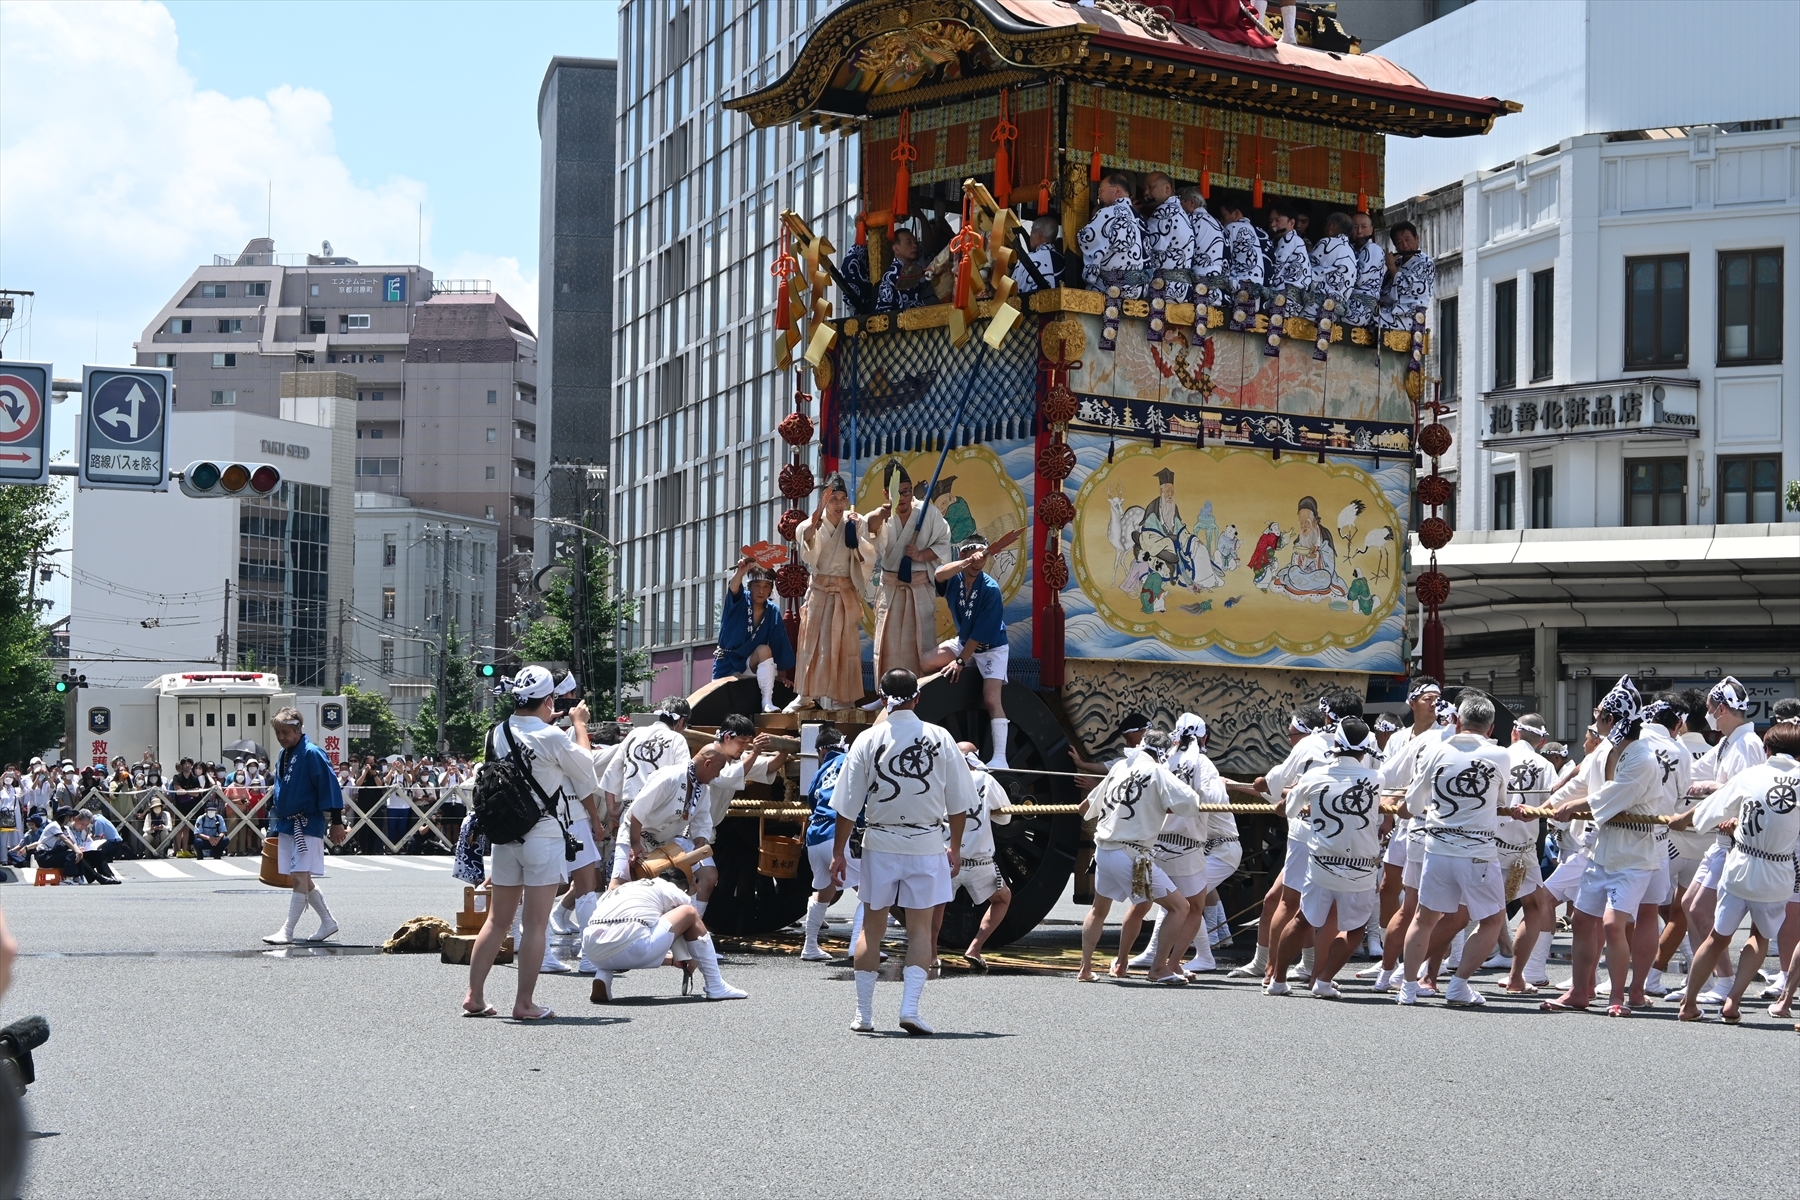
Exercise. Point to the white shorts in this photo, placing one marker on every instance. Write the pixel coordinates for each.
(1730, 913)
(1353, 908)
(1662, 883)
(980, 880)
(1621, 891)
(1534, 873)
(1712, 865)
(1395, 855)
(1415, 865)
(581, 829)
(1683, 869)
(641, 953)
(819, 855)
(1447, 884)
(909, 880)
(993, 663)
(1565, 881)
(1223, 862)
(534, 862)
(1112, 877)
(1299, 858)
(302, 853)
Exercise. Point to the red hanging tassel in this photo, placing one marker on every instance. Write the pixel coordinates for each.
(1051, 665)
(903, 154)
(790, 621)
(783, 267)
(1205, 184)
(1004, 132)
(1043, 205)
(1095, 168)
(961, 245)
(1362, 197)
(862, 229)
(1205, 167)
(1256, 196)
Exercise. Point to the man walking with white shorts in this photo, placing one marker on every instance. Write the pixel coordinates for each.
(908, 782)
(305, 804)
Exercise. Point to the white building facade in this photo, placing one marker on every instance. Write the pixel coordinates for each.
(415, 569)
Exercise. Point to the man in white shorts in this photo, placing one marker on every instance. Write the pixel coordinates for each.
(636, 924)
(979, 874)
(306, 803)
(1342, 801)
(1402, 860)
(821, 834)
(1307, 749)
(907, 781)
(1129, 808)
(1664, 721)
(1620, 867)
(676, 807)
(979, 611)
(1457, 793)
(1197, 852)
(645, 750)
(1527, 786)
(1738, 749)
(1760, 805)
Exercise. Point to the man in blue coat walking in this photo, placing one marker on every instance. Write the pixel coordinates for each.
(307, 807)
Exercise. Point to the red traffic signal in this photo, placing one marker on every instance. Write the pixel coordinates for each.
(216, 480)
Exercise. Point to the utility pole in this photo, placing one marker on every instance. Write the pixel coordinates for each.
(225, 632)
(443, 617)
(339, 645)
(578, 626)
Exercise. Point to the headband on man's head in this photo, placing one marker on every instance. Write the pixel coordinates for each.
(1385, 724)
(1446, 713)
(1655, 709)
(974, 761)
(1133, 723)
(532, 683)
(1730, 693)
(1623, 702)
(1296, 725)
(971, 544)
(1424, 688)
(1344, 745)
(1325, 708)
(1535, 731)
(1190, 724)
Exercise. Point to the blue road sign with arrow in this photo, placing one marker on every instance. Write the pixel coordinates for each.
(24, 422)
(125, 428)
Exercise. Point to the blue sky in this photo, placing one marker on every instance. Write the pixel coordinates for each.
(141, 138)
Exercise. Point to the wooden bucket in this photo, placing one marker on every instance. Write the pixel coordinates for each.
(778, 857)
(271, 864)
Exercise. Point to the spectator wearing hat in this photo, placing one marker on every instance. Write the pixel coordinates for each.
(157, 828)
(19, 855)
(210, 832)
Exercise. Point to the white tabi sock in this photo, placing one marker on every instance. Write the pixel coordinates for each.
(1540, 958)
(1289, 29)
(997, 728)
(865, 999)
(914, 987)
(815, 921)
(1259, 962)
(708, 960)
(1306, 961)
(1453, 960)
(765, 680)
(297, 903)
(1149, 955)
(1215, 922)
(315, 900)
(584, 908)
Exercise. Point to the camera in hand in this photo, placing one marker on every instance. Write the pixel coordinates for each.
(17, 1041)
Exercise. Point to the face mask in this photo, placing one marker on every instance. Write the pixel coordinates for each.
(1712, 722)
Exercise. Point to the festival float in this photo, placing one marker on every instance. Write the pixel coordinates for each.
(1207, 514)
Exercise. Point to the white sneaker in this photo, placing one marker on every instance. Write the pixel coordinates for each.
(1408, 993)
(1276, 987)
(1384, 981)
(1324, 989)
(1458, 994)
(563, 921)
(1497, 962)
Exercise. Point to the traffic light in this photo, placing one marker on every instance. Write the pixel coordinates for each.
(68, 681)
(206, 480)
(487, 670)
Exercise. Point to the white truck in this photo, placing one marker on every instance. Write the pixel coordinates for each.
(208, 716)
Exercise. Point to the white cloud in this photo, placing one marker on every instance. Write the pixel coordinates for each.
(504, 273)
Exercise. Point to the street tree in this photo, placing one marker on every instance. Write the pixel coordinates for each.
(31, 713)
(550, 638)
(465, 705)
(373, 710)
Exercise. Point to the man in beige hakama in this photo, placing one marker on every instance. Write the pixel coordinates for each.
(834, 547)
(906, 610)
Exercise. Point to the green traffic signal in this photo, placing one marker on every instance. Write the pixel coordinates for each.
(488, 670)
(62, 686)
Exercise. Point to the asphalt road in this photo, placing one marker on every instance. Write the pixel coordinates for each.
(185, 1063)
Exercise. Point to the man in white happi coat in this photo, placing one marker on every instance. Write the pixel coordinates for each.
(1112, 243)
(1528, 784)
(1410, 281)
(1664, 720)
(1289, 269)
(645, 750)
(1371, 269)
(1403, 859)
(1197, 852)
(1208, 264)
(911, 786)
(1333, 268)
(1129, 808)
(1168, 239)
(1457, 792)
(1738, 749)
(1243, 263)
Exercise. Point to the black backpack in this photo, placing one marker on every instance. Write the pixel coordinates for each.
(507, 798)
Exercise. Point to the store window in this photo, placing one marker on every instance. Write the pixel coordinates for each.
(1656, 491)
(1749, 490)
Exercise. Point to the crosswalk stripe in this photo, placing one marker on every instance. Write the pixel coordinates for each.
(219, 868)
(339, 861)
(163, 870)
(418, 866)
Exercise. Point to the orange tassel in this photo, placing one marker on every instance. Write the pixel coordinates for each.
(782, 269)
(1362, 197)
(862, 229)
(903, 154)
(1256, 196)
(1205, 184)
(1043, 205)
(1004, 132)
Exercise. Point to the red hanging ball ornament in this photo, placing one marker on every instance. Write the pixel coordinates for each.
(1435, 491)
(1060, 405)
(796, 429)
(796, 481)
(1055, 509)
(1434, 440)
(1056, 572)
(1435, 533)
(790, 581)
(790, 523)
(1432, 588)
(1055, 462)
